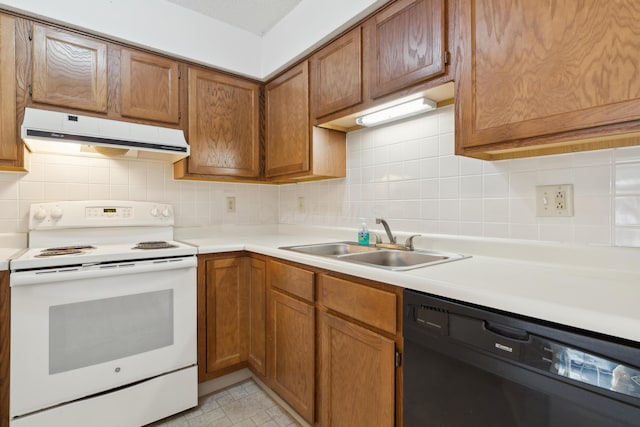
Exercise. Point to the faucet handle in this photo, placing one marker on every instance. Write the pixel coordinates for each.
(409, 242)
(378, 238)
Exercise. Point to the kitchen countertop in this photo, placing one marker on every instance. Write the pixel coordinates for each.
(592, 288)
(10, 245)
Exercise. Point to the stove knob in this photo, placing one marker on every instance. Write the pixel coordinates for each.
(40, 214)
(56, 213)
(166, 212)
(155, 212)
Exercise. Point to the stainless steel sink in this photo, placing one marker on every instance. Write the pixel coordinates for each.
(332, 249)
(389, 259)
(402, 260)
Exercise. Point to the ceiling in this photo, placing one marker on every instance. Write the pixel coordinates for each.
(255, 16)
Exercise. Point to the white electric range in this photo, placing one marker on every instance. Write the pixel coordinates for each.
(103, 317)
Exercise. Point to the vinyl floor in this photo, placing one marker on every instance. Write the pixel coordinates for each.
(242, 405)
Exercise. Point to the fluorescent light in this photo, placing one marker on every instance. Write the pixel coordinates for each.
(397, 112)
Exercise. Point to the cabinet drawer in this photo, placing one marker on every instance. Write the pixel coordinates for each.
(372, 306)
(294, 280)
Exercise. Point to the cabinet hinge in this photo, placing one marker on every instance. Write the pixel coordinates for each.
(30, 90)
(447, 57)
(31, 33)
(398, 359)
(179, 74)
(179, 115)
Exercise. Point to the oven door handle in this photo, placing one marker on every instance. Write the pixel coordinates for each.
(91, 271)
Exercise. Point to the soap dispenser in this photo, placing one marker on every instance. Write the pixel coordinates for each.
(363, 235)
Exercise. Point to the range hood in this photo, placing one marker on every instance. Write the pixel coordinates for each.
(46, 131)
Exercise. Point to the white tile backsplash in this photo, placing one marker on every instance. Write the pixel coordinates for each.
(459, 195)
(405, 172)
(54, 177)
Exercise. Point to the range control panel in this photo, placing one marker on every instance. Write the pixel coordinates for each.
(99, 213)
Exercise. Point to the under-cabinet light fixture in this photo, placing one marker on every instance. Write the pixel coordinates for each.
(399, 111)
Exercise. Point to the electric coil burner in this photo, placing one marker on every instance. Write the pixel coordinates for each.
(160, 244)
(102, 334)
(63, 250)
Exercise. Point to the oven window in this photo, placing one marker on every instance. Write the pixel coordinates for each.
(91, 332)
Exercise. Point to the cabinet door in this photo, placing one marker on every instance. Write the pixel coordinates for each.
(69, 70)
(357, 375)
(223, 125)
(336, 75)
(292, 352)
(149, 87)
(8, 129)
(404, 45)
(547, 70)
(225, 340)
(257, 316)
(287, 109)
(5, 341)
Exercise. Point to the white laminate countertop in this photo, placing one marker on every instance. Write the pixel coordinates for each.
(592, 288)
(10, 245)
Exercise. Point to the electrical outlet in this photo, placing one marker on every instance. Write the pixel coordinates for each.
(300, 204)
(231, 204)
(554, 200)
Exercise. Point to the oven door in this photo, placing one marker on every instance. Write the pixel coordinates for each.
(76, 332)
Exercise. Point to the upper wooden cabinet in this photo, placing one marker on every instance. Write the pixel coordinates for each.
(537, 77)
(294, 149)
(287, 110)
(223, 126)
(336, 75)
(69, 70)
(404, 44)
(8, 129)
(149, 87)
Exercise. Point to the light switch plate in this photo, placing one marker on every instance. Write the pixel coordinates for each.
(554, 200)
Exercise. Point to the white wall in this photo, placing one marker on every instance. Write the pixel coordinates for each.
(307, 26)
(168, 28)
(81, 178)
(407, 173)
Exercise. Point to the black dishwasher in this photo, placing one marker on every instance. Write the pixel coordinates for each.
(466, 365)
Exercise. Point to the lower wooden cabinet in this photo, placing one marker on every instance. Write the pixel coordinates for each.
(357, 375)
(327, 344)
(292, 352)
(291, 336)
(5, 318)
(257, 316)
(223, 315)
(360, 343)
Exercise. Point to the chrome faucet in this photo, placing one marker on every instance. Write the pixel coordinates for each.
(392, 239)
(408, 246)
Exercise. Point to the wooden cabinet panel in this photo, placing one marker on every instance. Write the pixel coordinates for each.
(294, 280)
(404, 44)
(149, 87)
(69, 70)
(357, 375)
(287, 122)
(257, 316)
(223, 125)
(369, 305)
(543, 73)
(292, 352)
(336, 75)
(223, 315)
(8, 127)
(5, 342)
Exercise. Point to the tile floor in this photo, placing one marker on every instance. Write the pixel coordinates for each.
(242, 405)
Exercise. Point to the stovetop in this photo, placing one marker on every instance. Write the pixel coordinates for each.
(91, 254)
